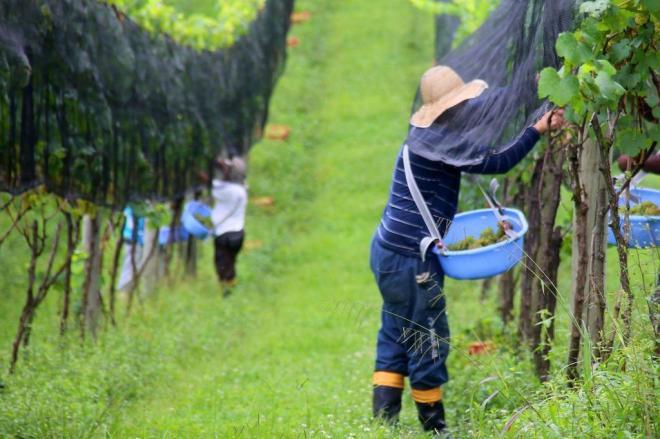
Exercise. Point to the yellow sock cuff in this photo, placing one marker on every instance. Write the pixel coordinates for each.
(427, 396)
(389, 379)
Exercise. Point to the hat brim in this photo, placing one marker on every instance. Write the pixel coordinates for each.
(428, 113)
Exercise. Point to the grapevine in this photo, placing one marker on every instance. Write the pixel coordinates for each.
(217, 28)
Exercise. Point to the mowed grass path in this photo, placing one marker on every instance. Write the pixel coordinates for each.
(293, 352)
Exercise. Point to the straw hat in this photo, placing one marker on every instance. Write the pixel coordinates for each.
(442, 88)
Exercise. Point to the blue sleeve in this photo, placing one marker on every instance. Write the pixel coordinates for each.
(503, 159)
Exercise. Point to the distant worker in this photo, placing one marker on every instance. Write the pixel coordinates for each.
(133, 239)
(228, 217)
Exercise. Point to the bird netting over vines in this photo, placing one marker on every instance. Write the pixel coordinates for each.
(508, 51)
(93, 106)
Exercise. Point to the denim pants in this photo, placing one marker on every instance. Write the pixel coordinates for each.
(413, 339)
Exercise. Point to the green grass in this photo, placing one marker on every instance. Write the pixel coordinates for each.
(290, 354)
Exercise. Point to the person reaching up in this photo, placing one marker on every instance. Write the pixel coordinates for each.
(413, 340)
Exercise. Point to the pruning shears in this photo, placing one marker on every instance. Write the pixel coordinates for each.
(503, 220)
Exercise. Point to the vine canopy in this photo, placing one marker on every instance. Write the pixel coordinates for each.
(94, 106)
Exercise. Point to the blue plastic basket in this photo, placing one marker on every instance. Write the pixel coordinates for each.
(131, 222)
(180, 234)
(194, 227)
(485, 262)
(644, 230)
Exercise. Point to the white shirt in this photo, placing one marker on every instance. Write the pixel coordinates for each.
(228, 213)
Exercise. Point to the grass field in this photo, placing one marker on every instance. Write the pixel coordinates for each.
(290, 354)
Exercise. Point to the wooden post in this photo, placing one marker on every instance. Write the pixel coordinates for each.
(148, 271)
(191, 257)
(598, 205)
(592, 288)
(486, 285)
(529, 269)
(508, 281)
(585, 172)
(507, 289)
(92, 286)
(73, 236)
(547, 258)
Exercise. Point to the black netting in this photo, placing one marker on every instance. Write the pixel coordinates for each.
(507, 51)
(93, 106)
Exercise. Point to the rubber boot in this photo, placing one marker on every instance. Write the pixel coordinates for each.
(226, 289)
(387, 403)
(432, 416)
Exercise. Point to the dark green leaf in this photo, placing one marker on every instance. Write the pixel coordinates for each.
(653, 132)
(652, 5)
(628, 78)
(631, 141)
(620, 50)
(573, 51)
(656, 112)
(607, 67)
(609, 88)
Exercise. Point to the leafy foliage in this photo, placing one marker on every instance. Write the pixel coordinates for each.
(471, 12)
(218, 27)
(610, 65)
(94, 106)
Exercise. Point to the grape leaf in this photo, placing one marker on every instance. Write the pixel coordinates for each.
(607, 67)
(631, 142)
(560, 90)
(652, 5)
(627, 77)
(654, 133)
(609, 88)
(569, 48)
(620, 50)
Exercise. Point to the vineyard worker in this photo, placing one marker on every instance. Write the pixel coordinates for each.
(133, 241)
(228, 217)
(413, 340)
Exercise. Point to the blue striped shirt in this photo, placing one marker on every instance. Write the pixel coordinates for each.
(402, 228)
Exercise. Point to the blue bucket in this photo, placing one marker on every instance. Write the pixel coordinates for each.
(180, 234)
(133, 221)
(644, 230)
(194, 227)
(485, 262)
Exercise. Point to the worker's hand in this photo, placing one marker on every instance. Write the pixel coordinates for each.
(552, 120)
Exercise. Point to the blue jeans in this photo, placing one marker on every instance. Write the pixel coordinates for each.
(413, 339)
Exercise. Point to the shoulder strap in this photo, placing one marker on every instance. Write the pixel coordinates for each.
(421, 206)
